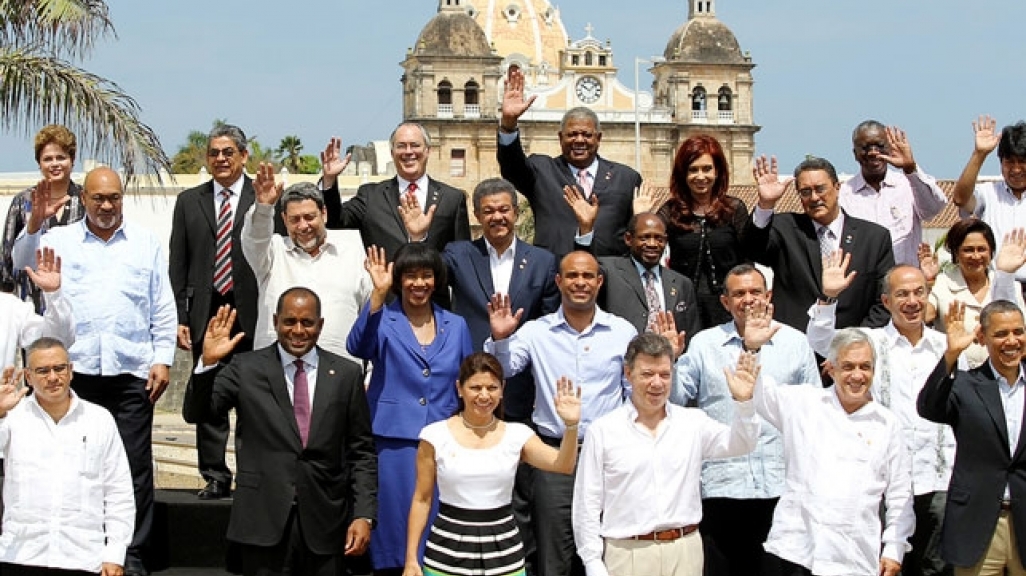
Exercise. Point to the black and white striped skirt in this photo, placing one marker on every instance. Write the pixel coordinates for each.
(466, 542)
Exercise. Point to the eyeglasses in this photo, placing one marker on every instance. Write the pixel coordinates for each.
(44, 371)
(226, 152)
(819, 189)
(411, 146)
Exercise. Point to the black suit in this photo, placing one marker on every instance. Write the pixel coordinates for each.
(789, 245)
(374, 211)
(329, 482)
(971, 403)
(623, 294)
(532, 287)
(191, 269)
(541, 180)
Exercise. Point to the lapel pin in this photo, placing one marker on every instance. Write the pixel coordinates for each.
(847, 239)
(681, 306)
(673, 291)
(331, 372)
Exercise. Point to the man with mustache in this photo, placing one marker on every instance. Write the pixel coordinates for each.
(325, 261)
(793, 245)
(116, 277)
(899, 200)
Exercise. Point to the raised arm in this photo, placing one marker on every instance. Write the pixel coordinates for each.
(984, 142)
(544, 457)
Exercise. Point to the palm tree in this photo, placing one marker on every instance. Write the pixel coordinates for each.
(288, 153)
(39, 84)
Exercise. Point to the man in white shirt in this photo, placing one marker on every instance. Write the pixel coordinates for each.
(898, 201)
(1000, 204)
(637, 500)
(328, 262)
(843, 455)
(68, 497)
(19, 323)
(906, 353)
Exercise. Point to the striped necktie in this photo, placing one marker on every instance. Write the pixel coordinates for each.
(223, 256)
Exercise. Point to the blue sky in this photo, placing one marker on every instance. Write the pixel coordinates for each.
(315, 68)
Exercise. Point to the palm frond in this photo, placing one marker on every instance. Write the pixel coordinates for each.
(36, 89)
(58, 27)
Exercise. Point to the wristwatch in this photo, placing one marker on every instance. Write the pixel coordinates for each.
(826, 300)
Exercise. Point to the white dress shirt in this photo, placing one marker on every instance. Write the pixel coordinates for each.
(630, 482)
(501, 266)
(235, 192)
(761, 218)
(68, 500)
(901, 370)
(901, 205)
(335, 274)
(21, 326)
(420, 192)
(838, 468)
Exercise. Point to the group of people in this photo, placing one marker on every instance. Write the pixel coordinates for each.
(410, 401)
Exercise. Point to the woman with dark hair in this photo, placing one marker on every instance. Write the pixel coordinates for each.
(972, 281)
(55, 148)
(416, 348)
(472, 457)
(704, 224)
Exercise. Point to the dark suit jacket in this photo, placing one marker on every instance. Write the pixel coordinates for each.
(332, 480)
(541, 179)
(374, 211)
(532, 287)
(790, 247)
(971, 403)
(191, 259)
(623, 294)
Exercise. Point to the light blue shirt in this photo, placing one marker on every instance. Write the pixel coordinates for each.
(125, 315)
(657, 281)
(699, 376)
(591, 359)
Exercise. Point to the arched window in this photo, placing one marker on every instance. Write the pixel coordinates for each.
(445, 92)
(725, 101)
(587, 58)
(471, 92)
(698, 99)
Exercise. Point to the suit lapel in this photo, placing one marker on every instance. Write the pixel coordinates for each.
(442, 331)
(603, 176)
(392, 198)
(987, 390)
(521, 261)
(670, 293)
(807, 230)
(246, 199)
(630, 275)
(482, 266)
(849, 235)
(280, 391)
(206, 206)
(324, 393)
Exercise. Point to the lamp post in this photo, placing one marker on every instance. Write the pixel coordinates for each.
(637, 113)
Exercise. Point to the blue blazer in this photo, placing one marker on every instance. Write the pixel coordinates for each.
(531, 287)
(410, 387)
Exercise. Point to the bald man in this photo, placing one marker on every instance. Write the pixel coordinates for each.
(115, 276)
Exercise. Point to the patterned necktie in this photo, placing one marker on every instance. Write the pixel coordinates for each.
(223, 256)
(652, 296)
(826, 241)
(584, 180)
(301, 401)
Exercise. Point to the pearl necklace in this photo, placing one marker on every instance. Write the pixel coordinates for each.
(478, 427)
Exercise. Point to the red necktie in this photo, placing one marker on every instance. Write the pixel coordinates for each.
(223, 256)
(301, 401)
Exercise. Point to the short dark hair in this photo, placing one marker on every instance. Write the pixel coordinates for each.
(632, 224)
(997, 307)
(1013, 141)
(866, 125)
(580, 113)
(960, 230)
(743, 269)
(417, 256)
(44, 343)
(491, 187)
(480, 363)
(236, 134)
(649, 344)
(298, 291)
(302, 191)
(815, 163)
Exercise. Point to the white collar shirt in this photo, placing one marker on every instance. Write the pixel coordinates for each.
(1012, 396)
(20, 325)
(839, 467)
(501, 266)
(630, 482)
(68, 500)
(288, 364)
(420, 192)
(235, 192)
(1001, 210)
(835, 227)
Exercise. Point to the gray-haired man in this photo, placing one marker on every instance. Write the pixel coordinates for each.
(325, 261)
